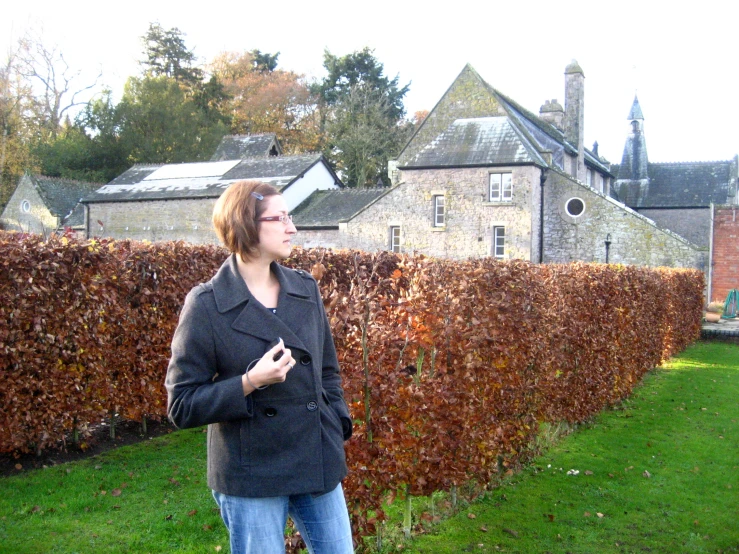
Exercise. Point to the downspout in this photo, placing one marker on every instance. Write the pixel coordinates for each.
(709, 288)
(542, 179)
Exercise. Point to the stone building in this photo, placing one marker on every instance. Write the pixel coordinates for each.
(675, 195)
(483, 176)
(46, 205)
(697, 200)
(175, 201)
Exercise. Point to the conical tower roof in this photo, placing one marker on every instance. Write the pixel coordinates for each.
(635, 112)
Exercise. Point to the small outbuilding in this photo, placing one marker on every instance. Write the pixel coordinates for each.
(175, 201)
(46, 205)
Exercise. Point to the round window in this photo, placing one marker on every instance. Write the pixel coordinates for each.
(25, 206)
(575, 207)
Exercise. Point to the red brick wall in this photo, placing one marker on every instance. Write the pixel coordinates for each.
(725, 251)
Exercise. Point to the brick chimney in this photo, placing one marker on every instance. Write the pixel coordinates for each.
(552, 112)
(574, 118)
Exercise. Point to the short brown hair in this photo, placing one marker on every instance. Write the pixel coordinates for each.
(236, 212)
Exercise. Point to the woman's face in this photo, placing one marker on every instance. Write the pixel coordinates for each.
(275, 236)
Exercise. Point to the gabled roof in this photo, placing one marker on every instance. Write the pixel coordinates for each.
(326, 208)
(278, 171)
(61, 196)
(204, 179)
(236, 147)
(477, 142)
(688, 184)
(135, 174)
(515, 130)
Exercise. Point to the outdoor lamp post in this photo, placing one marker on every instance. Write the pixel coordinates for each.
(608, 245)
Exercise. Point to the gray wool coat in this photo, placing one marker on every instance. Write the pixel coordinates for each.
(286, 439)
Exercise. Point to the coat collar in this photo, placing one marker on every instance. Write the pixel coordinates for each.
(295, 297)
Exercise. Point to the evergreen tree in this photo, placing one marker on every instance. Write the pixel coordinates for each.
(362, 115)
(165, 54)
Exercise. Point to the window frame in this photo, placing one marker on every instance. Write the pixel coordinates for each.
(395, 233)
(505, 190)
(498, 233)
(439, 216)
(25, 206)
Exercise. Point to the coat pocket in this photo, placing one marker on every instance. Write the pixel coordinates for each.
(284, 437)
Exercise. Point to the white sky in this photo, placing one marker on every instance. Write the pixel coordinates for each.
(679, 57)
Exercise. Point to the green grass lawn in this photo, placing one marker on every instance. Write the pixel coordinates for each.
(149, 497)
(659, 474)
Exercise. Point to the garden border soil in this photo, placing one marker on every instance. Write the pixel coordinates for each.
(126, 432)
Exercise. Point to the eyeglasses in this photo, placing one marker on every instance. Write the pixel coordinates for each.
(284, 219)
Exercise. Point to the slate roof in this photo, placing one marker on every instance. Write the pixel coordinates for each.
(326, 208)
(477, 142)
(62, 196)
(688, 184)
(517, 136)
(236, 147)
(203, 179)
(635, 161)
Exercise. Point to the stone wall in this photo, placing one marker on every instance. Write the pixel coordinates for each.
(468, 96)
(325, 238)
(635, 240)
(693, 224)
(37, 220)
(470, 218)
(725, 271)
(154, 220)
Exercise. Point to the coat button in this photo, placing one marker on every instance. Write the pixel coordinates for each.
(312, 406)
(270, 412)
(305, 359)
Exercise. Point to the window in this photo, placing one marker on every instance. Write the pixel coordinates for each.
(589, 178)
(575, 207)
(498, 242)
(395, 238)
(25, 206)
(439, 211)
(501, 187)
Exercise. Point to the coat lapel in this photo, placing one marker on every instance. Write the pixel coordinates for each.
(254, 319)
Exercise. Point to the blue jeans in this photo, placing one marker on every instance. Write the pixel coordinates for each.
(257, 525)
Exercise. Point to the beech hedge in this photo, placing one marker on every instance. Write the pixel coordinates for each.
(449, 367)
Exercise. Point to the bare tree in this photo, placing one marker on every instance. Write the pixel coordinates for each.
(14, 151)
(53, 84)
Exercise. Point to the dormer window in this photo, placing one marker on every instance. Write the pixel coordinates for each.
(501, 187)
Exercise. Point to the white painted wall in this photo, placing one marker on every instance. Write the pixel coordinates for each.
(317, 177)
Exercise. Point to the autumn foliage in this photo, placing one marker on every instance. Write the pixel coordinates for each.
(449, 367)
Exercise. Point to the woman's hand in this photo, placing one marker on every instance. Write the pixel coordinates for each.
(267, 370)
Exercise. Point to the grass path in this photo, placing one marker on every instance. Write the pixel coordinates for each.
(659, 474)
(680, 427)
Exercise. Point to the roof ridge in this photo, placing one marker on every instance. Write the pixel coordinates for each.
(545, 126)
(355, 189)
(692, 162)
(251, 134)
(276, 158)
(65, 180)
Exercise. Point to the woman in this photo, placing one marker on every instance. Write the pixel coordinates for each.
(253, 358)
